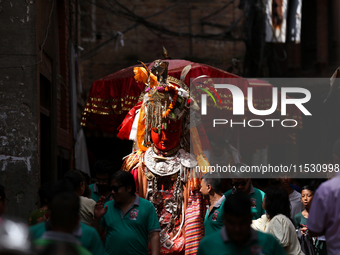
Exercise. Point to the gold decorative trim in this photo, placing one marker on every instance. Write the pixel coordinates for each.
(113, 100)
(105, 113)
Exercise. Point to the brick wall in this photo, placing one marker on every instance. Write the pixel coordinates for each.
(145, 45)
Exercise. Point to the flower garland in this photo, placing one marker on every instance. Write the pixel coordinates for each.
(174, 100)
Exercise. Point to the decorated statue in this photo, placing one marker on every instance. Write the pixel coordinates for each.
(163, 167)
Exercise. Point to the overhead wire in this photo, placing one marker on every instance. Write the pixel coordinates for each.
(156, 28)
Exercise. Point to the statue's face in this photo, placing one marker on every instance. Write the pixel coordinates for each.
(169, 138)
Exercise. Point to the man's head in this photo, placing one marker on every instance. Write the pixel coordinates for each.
(103, 170)
(241, 184)
(64, 210)
(122, 186)
(239, 181)
(56, 188)
(237, 217)
(211, 183)
(285, 182)
(3, 199)
(276, 201)
(336, 152)
(77, 181)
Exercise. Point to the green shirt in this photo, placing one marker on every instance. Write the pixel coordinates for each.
(42, 243)
(256, 197)
(95, 193)
(299, 219)
(213, 221)
(88, 236)
(258, 243)
(129, 233)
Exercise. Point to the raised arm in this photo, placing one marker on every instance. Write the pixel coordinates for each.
(99, 212)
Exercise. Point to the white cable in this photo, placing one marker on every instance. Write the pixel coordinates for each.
(180, 228)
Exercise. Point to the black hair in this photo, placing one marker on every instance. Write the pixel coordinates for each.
(237, 205)
(43, 193)
(64, 209)
(214, 179)
(262, 182)
(2, 193)
(310, 188)
(87, 178)
(238, 174)
(277, 202)
(58, 187)
(75, 178)
(126, 179)
(87, 191)
(104, 167)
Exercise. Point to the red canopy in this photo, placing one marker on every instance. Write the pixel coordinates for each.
(112, 97)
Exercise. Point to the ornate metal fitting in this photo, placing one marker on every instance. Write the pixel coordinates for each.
(163, 236)
(149, 176)
(158, 198)
(171, 206)
(168, 244)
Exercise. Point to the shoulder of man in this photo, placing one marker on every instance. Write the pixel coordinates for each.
(228, 193)
(92, 240)
(109, 203)
(37, 230)
(86, 228)
(330, 185)
(41, 242)
(259, 192)
(45, 242)
(82, 250)
(270, 243)
(212, 238)
(144, 202)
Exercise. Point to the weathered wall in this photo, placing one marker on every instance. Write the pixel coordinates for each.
(18, 106)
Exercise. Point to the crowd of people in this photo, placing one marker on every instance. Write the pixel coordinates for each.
(108, 217)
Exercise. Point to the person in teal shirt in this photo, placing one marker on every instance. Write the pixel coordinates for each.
(64, 218)
(130, 221)
(256, 196)
(103, 170)
(211, 186)
(88, 236)
(300, 219)
(236, 236)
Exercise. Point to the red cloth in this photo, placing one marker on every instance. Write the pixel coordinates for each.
(126, 126)
(134, 172)
(112, 97)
